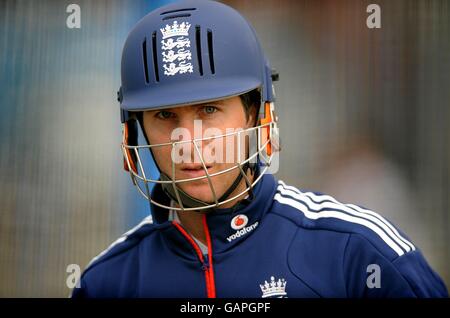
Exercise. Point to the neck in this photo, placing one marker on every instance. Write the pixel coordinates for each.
(192, 220)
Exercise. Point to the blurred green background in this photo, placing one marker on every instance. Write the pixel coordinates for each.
(363, 114)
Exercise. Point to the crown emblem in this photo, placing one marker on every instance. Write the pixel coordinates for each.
(274, 288)
(176, 29)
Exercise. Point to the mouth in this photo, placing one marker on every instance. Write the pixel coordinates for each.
(194, 170)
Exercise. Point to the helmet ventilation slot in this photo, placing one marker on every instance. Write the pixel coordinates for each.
(210, 51)
(199, 48)
(183, 15)
(144, 56)
(155, 56)
(178, 10)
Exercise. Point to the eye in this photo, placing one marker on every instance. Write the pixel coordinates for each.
(164, 114)
(209, 109)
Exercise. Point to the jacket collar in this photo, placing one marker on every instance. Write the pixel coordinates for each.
(246, 216)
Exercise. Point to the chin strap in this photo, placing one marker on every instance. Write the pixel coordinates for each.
(191, 202)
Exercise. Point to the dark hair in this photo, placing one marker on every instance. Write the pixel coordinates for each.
(249, 100)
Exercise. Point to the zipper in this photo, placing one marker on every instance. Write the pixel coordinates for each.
(207, 264)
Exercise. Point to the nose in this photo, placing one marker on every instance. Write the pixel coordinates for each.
(190, 128)
(187, 123)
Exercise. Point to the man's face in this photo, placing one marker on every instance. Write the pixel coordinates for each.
(199, 121)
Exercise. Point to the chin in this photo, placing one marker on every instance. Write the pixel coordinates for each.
(200, 192)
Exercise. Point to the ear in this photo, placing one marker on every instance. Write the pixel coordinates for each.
(252, 118)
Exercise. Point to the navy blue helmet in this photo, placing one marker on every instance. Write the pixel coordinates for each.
(187, 53)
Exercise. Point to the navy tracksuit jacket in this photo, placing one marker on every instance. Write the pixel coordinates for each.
(283, 243)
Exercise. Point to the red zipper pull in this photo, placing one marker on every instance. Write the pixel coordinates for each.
(205, 265)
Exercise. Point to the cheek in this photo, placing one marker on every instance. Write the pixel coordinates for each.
(162, 157)
(156, 135)
(158, 152)
(236, 120)
(157, 132)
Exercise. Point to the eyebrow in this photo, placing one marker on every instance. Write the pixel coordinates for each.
(216, 102)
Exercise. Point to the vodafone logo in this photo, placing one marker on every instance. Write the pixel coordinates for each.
(239, 222)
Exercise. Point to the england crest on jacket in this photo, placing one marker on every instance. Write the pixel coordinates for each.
(274, 289)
